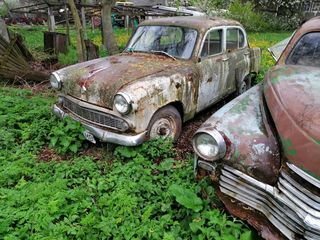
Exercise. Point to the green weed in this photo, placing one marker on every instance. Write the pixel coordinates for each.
(66, 136)
(142, 194)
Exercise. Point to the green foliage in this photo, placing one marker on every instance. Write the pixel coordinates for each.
(66, 136)
(264, 41)
(154, 149)
(24, 119)
(33, 36)
(139, 195)
(68, 58)
(186, 197)
(246, 15)
(3, 11)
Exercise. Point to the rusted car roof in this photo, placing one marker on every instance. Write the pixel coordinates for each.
(313, 25)
(195, 22)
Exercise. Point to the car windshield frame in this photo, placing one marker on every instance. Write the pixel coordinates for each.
(290, 61)
(189, 38)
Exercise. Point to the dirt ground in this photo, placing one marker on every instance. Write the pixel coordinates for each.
(184, 146)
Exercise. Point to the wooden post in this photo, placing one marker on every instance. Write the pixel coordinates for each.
(126, 22)
(84, 24)
(51, 20)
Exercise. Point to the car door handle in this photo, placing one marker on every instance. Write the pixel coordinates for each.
(225, 59)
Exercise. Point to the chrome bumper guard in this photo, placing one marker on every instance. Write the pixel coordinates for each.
(104, 135)
(289, 206)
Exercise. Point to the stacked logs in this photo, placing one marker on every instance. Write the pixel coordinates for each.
(14, 62)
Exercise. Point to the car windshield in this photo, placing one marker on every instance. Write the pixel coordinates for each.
(172, 41)
(307, 51)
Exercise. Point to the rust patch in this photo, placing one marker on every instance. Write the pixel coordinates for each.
(292, 95)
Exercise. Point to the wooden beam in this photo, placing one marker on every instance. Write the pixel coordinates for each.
(51, 20)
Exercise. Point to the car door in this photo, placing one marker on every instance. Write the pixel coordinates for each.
(238, 56)
(213, 67)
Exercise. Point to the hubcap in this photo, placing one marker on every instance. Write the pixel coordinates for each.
(163, 127)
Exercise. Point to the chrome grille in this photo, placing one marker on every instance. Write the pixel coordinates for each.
(96, 117)
(289, 206)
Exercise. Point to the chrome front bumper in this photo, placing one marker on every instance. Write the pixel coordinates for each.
(290, 207)
(104, 135)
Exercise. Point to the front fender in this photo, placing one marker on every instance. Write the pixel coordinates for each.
(154, 92)
(251, 143)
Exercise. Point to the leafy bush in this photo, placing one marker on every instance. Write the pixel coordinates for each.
(66, 136)
(281, 23)
(246, 15)
(68, 58)
(144, 194)
(155, 149)
(25, 119)
(3, 11)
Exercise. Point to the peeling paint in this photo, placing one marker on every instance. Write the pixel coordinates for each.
(153, 81)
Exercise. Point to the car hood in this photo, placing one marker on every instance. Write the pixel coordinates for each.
(292, 95)
(97, 81)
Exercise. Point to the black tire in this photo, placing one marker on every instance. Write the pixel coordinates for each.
(244, 85)
(166, 122)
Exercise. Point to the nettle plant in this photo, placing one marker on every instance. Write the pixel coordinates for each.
(67, 136)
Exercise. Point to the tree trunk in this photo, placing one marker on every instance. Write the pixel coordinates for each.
(81, 48)
(109, 40)
(66, 15)
(84, 23)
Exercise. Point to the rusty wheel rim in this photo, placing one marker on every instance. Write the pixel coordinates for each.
(163, 127)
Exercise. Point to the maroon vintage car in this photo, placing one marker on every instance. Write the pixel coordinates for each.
(262, 150)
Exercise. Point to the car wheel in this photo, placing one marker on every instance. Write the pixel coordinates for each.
(244, 86)
(166, 123)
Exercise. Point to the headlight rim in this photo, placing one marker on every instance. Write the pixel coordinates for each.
(127, 99)
(58, 79)
(217, 136)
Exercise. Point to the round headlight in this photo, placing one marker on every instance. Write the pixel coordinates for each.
(122, 103)
(209, 146)
(55, 81)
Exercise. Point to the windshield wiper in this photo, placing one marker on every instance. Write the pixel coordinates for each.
(163, 53)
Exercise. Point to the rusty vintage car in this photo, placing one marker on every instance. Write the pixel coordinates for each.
(171, 69)
(262, 150)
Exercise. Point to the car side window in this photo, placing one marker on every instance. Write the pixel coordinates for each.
(242, 40)
(212, 43)
(307, 51)
(235, 39)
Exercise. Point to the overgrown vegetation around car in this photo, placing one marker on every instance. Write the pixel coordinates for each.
(33, 36)
(141, 194)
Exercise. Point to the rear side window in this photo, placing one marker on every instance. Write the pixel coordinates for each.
(307, 51)
(212, 44)
(235, 38)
